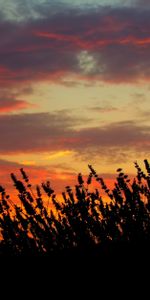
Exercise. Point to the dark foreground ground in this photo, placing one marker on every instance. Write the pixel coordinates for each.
(114, 270)
(113, 253)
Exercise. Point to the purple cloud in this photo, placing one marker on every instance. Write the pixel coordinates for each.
(109, 44)
(28, 133)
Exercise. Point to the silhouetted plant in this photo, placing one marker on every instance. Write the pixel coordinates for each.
(82, 220)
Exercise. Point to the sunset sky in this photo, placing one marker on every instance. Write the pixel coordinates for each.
(74, 87)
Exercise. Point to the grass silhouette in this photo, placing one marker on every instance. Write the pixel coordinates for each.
(83, 222)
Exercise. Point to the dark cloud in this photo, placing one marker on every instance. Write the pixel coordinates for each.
(44, 132)
(142, 3)
(10, 104)
(120, 134)
(110, 44)
(35, 132)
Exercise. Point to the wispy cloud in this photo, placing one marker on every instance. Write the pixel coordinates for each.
(103, 109)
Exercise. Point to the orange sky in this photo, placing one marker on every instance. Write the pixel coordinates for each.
(74, 88)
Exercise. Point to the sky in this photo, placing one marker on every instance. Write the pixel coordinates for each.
(74, 87)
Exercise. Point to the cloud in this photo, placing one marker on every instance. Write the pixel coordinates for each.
(58, 176)
(142, 3)
(50, 132)
(103, 109)
(10, 104)
(105, 44)
(10, 100)
(125, 133)
(35, 132)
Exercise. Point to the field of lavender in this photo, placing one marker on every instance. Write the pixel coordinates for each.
(82, 222)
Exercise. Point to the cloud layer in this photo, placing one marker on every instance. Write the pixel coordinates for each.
(108, 44)
(45, 132)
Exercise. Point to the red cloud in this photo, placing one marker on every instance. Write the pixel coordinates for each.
(9, 105)
(77, 41)
(48, 49)
(86, 42)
